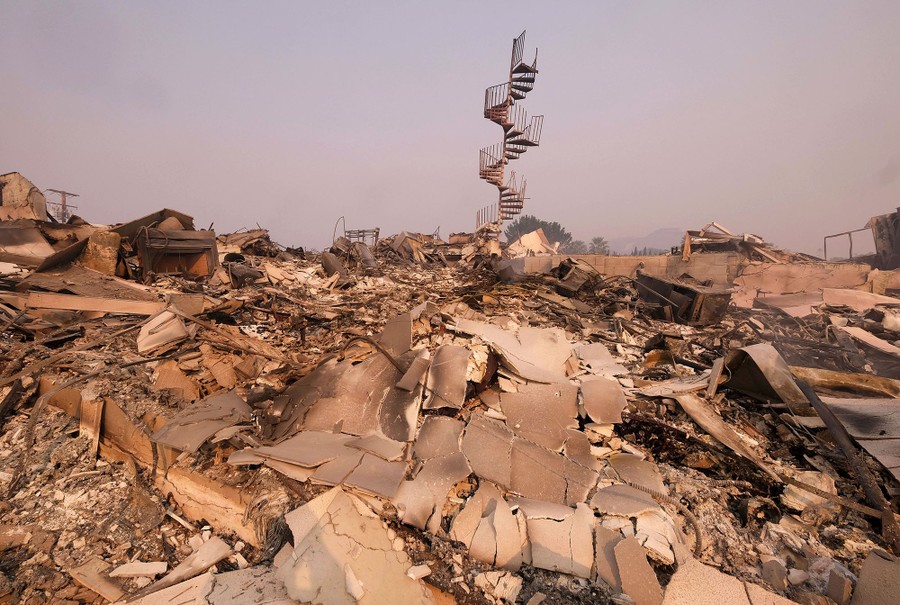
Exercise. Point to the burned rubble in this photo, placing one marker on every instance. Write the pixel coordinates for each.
(188, 417)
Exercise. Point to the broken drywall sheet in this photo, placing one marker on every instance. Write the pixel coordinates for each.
(537, 472)
(398, 416)
(441, 465)
(488, 527)
(604, 400)
(487, 445)
(561, 538)
(190, 592)
(638, 579)
(542, 413)
(253, 586)
(599, 360)
(168, 377)
(523, 467)
(94, 574)
(344, 554)
(538, 354)
(307, 448)
(413, 376)
(634, 470)
(605, 566)
(879, 580)
(697, 584)
(420, 501)
(499, 586)
(336, 458)
(163, 330)
(438, 436)
(445, 385)
(376, 476)
(623, 501)
(384, 448)
(355, 396)
(191, 427)
(857, 300)
(208, 554)
(396, 336)
(335, 471)
(623, 506)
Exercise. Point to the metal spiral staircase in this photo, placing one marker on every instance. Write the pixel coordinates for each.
(519, 134)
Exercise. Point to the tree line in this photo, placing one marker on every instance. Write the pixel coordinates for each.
(555, 233)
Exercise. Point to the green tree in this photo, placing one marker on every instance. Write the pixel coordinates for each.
(528, 223)
(599, 245)
(574, 247)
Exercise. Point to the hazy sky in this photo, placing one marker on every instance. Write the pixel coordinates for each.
(778, 118)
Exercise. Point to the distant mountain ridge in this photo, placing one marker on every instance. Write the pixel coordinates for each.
(662, 239)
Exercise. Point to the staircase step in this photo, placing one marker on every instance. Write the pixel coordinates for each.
(524, 68)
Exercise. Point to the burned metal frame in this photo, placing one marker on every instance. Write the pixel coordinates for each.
(366, 236)
(849, 235)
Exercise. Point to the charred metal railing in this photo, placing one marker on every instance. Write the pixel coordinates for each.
(519, 133)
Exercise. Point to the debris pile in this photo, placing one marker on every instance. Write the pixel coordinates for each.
(221, 419)
(716, 238)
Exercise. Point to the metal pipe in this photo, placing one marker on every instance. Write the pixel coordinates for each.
(889, 527)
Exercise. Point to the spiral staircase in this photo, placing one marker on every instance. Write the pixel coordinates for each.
(519, 134)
